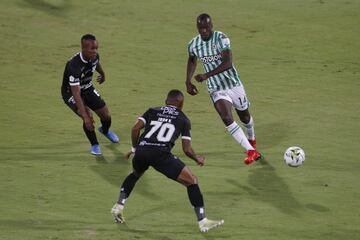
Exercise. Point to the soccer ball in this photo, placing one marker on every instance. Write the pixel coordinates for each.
(294, 156)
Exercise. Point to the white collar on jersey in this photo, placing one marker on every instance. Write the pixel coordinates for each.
(82, 59)
(171, 106)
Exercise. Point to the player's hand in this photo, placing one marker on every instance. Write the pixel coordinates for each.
(201, 77)
(89, 123)
(100, 79)
(191, 88)
(128, 154)
(200, 160)
(131, 152)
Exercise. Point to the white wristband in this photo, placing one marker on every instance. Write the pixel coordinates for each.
(133, 149)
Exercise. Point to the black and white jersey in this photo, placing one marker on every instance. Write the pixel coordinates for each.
(79, 72)
(163, 125)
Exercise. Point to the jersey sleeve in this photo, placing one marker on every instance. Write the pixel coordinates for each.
(185, 132)
(190, 48)
(74, 74)
(145, 117)
(224, 42)
(98, 59)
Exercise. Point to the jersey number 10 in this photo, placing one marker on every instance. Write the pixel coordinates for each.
(165, 133)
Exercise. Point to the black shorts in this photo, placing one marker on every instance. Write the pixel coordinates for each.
(90, 97)
(163, 162)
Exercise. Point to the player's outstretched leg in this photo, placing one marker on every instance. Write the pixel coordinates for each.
(109, 134)
(252, 154)
(95, 148)
(105, 119)
(248, 123)
(223, 107)
(118, 209)
(196, 199)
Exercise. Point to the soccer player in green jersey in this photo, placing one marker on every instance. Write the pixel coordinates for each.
(223, 82)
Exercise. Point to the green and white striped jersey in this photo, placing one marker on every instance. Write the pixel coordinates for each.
(209, 52)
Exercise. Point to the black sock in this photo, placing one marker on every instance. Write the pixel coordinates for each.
(90, 135)
(106, 123)
(127, 187)
(196, 200)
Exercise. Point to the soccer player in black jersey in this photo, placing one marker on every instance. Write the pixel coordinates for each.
(80, 95)
(162, 126)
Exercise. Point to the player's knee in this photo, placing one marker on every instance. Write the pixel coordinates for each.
(188, 181)
(106, 117)
(137, 174)
(193, 180)
(245, 119)
(227, 120)
(244, 116)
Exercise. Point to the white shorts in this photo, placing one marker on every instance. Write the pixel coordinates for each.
(236, 96)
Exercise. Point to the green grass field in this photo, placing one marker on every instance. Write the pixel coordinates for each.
(299, 62)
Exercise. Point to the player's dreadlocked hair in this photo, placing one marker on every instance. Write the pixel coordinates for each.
(88, 37)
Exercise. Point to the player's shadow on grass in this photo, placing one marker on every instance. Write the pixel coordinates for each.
(268, 187)
(273, 133)
(119, 156)
(158, 232)
(43, 224)
(148, 234)
(50, 8)
(110, 171)
(114, 172)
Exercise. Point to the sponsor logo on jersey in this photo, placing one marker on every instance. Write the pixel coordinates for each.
(212, 58)
(169, 110)
(86, 86)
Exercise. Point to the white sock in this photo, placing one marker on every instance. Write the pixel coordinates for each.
(121, 206)
(235, 130)
(250, 129)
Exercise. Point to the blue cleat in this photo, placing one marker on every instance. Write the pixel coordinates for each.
(110, 135)
(95, 149)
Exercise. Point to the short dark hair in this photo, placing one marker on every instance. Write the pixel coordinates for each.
(174, 94)
(88, 37)
(203, 17)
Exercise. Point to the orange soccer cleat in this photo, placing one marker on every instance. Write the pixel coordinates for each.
(252, 156)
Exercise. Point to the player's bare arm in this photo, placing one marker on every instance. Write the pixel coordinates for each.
(101, 78)
(189, 151)
(226, 57)
(135, 133)
(89, 122)
(191, 66)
